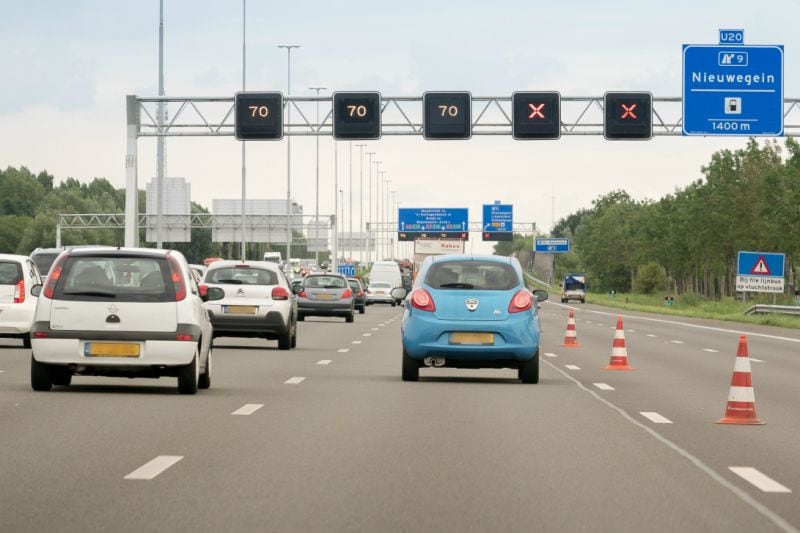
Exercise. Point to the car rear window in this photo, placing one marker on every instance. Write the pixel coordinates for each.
(381, 285)
(121, 279)
(44, 261)
(324, 282)
(480, 275)
(241, 276)
(10, 272)
(354, 285)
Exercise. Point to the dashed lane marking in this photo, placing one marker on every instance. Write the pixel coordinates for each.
(324, 362)
(549, 354)
(356, 342)
(676, 342)
(343, 350)
(758, 479)
(367, 335)
(753, 359)
(651, 335)
(155, 467)
(572, 367)
(710, 350)
(294, 381)
(655, 418)
(603, 386)
(374, 329)
(248, 409)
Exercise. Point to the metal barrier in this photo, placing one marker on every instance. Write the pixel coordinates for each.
(779, 309)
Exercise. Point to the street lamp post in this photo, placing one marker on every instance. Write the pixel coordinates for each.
(369, 211)
(341, 201)
(337, 222)
(392, 222)
(360, 200)
(288, 48)
(386, 213)
(350, 192)
(316, 202)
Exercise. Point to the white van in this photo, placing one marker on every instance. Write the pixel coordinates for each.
(388, 271)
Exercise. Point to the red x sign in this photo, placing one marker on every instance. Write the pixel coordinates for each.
(629, 111)
(536, 110)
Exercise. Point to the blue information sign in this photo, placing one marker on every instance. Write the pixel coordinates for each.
(347, 269)
(498, 222)
(732, 89)
(552, 245)
(432, 223)
(760, 264)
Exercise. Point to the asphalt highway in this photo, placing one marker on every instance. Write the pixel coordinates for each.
(328, 438)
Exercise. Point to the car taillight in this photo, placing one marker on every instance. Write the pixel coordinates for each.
(302, 294)
(177, 278)
(360, 294)
(422, 300)
(40, 334)
(203, 290)
(184, 337)
(521, 301)
(279, 293)
(53, 277)
(347, 294)
(19, 292)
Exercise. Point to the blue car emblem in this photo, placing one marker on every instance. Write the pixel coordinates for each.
(471, 303)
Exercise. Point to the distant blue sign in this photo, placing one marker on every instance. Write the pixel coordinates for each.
(760, 264)
(498, 218)
(732, 89)
(552, 245)
(347, 269)
(728, 37)
(432, 220)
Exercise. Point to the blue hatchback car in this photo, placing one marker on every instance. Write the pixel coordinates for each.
(468, 311)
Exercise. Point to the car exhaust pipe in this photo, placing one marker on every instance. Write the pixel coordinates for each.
(437, 362)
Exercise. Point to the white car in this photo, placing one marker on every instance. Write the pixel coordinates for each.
(380, 292)
(127, 312)
(258, 301)
(18, 276)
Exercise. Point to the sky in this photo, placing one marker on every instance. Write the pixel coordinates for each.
(68, 65)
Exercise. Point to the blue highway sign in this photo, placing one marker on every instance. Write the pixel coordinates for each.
(760, 272)
(552, 245)
(733, 89)
(347, 269)
(498, 222)
(432, 223)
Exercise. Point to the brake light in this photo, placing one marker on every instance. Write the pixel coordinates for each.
(53, 277)
(203, 290)
(40, 334)
(177, 278)
(347, 294)
(184, 337)
(360, 294)
(19, 292)
(242, 266)
(422, 300)
(302, 294)
(279, 293)
(521, 301)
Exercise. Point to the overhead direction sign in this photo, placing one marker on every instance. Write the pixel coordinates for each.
(432, 223)
(536, 115)
(760, 272)
(732, 88)
(550, 245)
(498, 222)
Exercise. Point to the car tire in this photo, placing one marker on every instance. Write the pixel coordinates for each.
(41, 377)
(394, 304)
(350, 318)
(410, 368)
(300, 317)
(189, 375)
(61, 376)
(205, 378)
(26, 341)
(529, 370)
(294, 336)
(362, 310)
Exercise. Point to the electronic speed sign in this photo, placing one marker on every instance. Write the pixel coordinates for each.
(628, 115)
(536, 115)
(356, 116)
(258, 116)
(447, 115)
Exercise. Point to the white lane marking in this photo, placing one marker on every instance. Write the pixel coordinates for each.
(759, 479)
(294, 381)
(325, 362)
(2, 371)
(381, 325)
(676, 342)
(651, 335)
(710, 350)
(655, 418)
(356, 342)
(367, 335)
(374, 329)
(685, 324)
(248, 409)
(549, 354)
(603, 386)
(743, 495)
(631, 330)
(343, 350)
(754, 360)
(155, 467)
(572, 367)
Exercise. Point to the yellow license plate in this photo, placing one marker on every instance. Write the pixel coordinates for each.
(241, 310)
(102, 349)
(471, 338)
(326, 296)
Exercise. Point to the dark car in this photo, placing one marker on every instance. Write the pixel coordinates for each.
(359, 295)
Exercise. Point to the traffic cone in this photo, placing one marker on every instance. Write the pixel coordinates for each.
(741, 400)
(619, 353)
(571, 336)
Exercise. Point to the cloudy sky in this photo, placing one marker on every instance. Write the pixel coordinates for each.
(68, 65)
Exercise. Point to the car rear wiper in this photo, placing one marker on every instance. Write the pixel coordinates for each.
(104, 294)
(332, 287)
(456, 286)
(232, 281)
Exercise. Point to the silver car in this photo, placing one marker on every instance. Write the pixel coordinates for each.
(258, 302)
(325, 295)
(380, 292)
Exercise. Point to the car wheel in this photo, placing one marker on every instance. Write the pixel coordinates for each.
(41, 378)
(61, 376)
(26, 341)
(362, 310)
(410, 368)
(205, 378)
(285, 341)
(189, 375)
(529, 370)
(350, 318)
(394, 303)
(300, 317)
(294, 336)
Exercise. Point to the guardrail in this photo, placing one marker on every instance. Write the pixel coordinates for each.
(780, 309)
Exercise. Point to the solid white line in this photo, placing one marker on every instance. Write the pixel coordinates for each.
(754, 360)
(248, 409)
(765, 511)
(294, 380)
(710, 350)
(356, 342)
(603, 386)
(655, 417)
(676, 342)
(324, 362)
(759, 479)
(155, 467)
(343, 350)
(548, 354)
(572, 367)
(367, 335)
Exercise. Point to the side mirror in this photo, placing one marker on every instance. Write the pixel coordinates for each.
(541, 295)
(213, 294)
(36, 290)
(399, 293)
(297, 288)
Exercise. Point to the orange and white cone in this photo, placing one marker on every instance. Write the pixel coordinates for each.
(619, 352)
(741, 399)
(571, 336)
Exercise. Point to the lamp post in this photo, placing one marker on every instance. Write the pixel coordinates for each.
(336, 220)
(369, 211)
(341, 201)
(360, 199)
(386, 212)
(316, 201)
(392, 222)
(244, 165)
(350, 192)
(288, 48)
